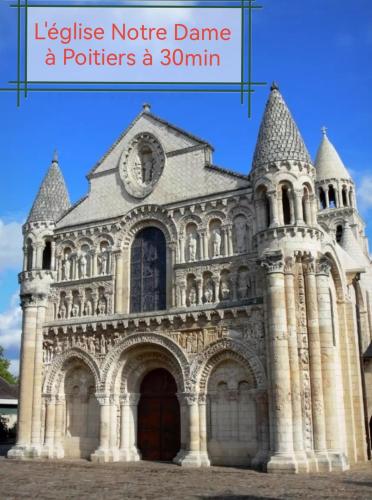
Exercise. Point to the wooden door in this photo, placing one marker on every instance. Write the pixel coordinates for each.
(158, 417)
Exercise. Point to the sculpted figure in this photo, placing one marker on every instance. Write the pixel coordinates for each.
(244, 284)
(208, 293)
(191, 246)
(102, 306)
(225, 288)
(75, 310)
(241, 235)
(102, 344)
(83, 265)
(102, 263)
(88, 308)
(66, 268)
(91, 346)
(62, 311)
(216, 243)
(192, 296)
(147, 168)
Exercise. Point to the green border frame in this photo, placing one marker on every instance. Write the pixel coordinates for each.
(244, 87)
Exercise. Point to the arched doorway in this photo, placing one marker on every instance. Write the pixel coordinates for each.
(148, 271)
(158, 417)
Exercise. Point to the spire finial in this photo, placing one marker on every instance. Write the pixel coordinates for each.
(274, 86)
(55, 156)
(146, 107)
(324, 130)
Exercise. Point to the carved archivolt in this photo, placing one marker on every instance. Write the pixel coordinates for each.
(223, 349)
(187, 219)
(145, 216)
(215, 214)
(141, 339)
(60, 363)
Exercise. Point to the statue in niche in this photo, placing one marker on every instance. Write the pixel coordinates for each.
(83, 265)
(225, 288)
(144, 165)
(216, 242)
(208, 292)
(102, 262)
(62, 310)
(102, 306)
(192, 296)
(88, 308)
(75, 310)
(91, 346)
(102, 344)
(191, 246)
(240, 235)
(66, 268)
(244, 284)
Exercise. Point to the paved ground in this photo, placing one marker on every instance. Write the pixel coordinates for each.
(147, 480)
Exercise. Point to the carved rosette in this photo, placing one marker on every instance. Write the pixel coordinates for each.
(141, 165)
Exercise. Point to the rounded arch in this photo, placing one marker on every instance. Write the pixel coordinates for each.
(187, 219)
(141, 217)
(221, 350)
(103, 237)
(84, 241)
(338, 277)
(55, 374)
(213, 215)
(111, 364)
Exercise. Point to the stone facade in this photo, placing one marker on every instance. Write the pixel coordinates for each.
(265, 309)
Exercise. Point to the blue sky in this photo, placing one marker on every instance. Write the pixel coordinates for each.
(320, 52)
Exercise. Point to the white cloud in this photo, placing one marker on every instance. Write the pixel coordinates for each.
(364, 193)
(11, 324)
(14, 367)
(10, 245)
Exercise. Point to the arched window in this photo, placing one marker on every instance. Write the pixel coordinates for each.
(267, 211)
(148, 271)
(47, 255)
(339, 231)
(29, 255)
(344, 196)
(322, 198)
(332, 197)
(286, 206)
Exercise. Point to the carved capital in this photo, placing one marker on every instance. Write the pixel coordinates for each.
(272, 262)
(309, 264)
(324, 266)
(103, 398)
(188, 398)
(33, 300)
(289, 266)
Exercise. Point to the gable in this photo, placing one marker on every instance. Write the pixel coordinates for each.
(183, 171)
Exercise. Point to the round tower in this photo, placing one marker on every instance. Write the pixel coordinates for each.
(336, 199)
(38, 273)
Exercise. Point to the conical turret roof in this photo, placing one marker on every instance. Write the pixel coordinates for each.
(328, 162)
(52, 199)
(279, 138)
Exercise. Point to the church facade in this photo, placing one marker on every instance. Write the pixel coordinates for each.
(181, 311)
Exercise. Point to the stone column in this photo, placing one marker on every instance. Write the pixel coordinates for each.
(124, 452)
(204, 459)
(225, 239)
(206, 245)
(191, 457)
(273, 199)
(102, 452)
(53, 256)
(298, 210)
(36, 443)
(59, 427)
(39, 247)
(262, 423)
(119, 277)
(93, 262)
(329, 367)
(133, 407)
(48, 451)
(337, 198)
(316, 382)
(182, 249)
(298, 442)
(230, 240)
(326, 191)
(183, 287)
(201, 245)
(199, 284)
(282, 456)
(114, 451)
(216, 287)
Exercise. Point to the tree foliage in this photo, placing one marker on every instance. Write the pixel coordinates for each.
(4, 368)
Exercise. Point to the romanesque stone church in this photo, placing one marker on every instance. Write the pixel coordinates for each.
(184, 312)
